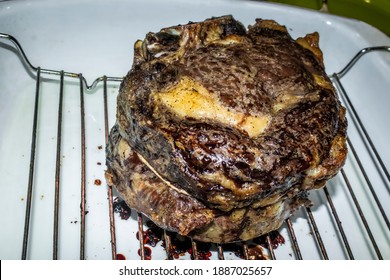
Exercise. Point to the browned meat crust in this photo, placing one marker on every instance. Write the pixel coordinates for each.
(235, 119)
(182, 213)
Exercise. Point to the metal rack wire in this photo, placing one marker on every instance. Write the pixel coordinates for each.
(83, 86)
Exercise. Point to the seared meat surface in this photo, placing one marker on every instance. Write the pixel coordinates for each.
(173, 210)
(230, 126)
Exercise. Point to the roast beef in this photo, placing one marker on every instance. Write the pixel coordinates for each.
(222, 130)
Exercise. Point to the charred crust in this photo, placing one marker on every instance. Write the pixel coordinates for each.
(259, 71)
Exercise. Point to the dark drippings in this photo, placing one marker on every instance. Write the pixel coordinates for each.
(152, 235)
(276, 240)
(180, 245)
(120, 257)
(147, 251)
(97, 182)
(121, 208)
(235, 248)
(203, 251)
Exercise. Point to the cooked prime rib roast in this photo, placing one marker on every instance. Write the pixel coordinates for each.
(222, 130)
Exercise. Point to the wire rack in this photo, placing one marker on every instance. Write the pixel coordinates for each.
(355, 165)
